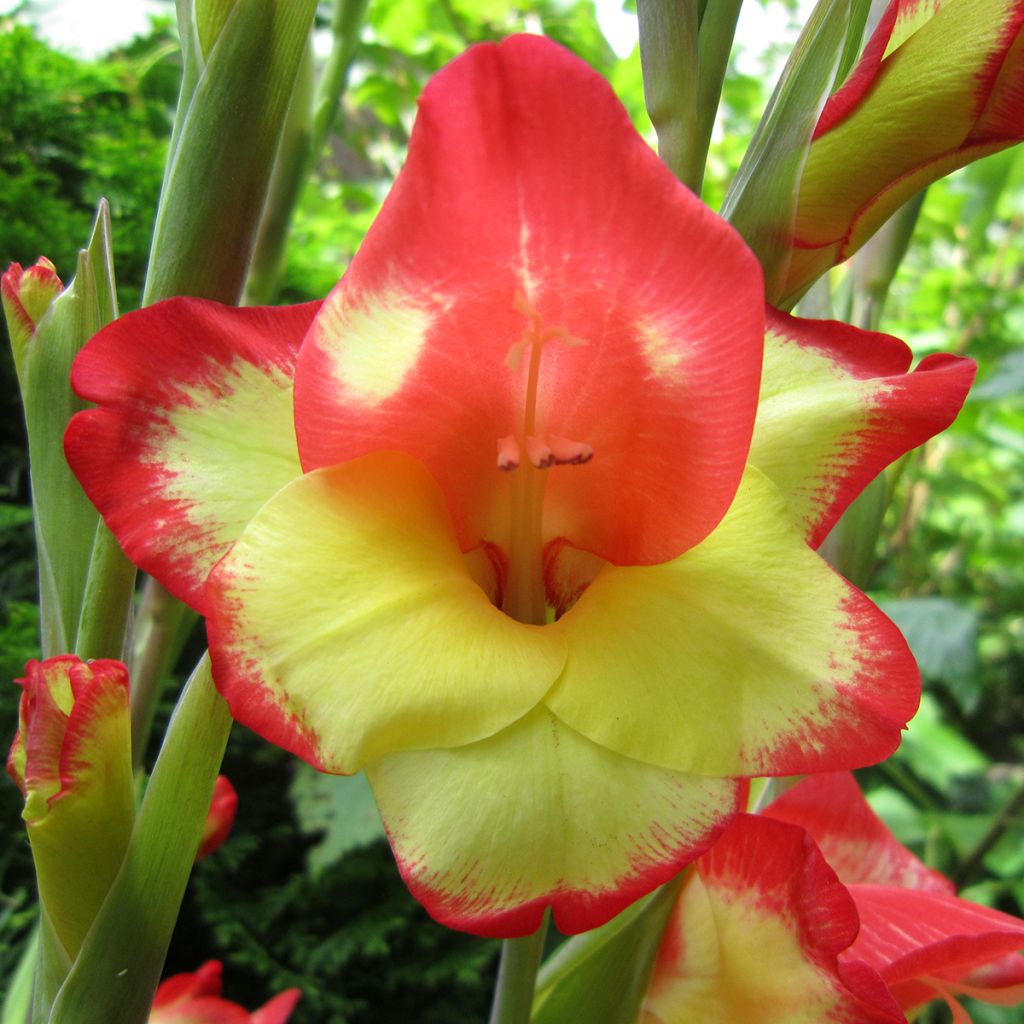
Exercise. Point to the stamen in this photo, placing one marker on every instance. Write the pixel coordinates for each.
(569, 453)
(553, 450)
(539, 452)
(508, 453)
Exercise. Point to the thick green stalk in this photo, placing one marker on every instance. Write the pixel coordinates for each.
(669, 57)
(517, 977)
(310, 118)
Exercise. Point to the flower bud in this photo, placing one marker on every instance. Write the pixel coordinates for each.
(71, 759)
(27, 295)
(936, 88)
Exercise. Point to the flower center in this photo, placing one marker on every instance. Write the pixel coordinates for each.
(524, 597)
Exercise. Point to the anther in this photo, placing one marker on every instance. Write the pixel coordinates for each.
(508, 453)
(569, 453)
(545, 452)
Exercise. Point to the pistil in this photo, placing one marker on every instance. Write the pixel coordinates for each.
(524, 596)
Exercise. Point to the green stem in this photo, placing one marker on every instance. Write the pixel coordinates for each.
(106, 606)
(517, 977)
(669, 58)
(163, 624)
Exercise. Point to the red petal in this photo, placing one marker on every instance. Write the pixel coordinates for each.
(854, 840)
(190, 985)
(907, 934)
(503, 195)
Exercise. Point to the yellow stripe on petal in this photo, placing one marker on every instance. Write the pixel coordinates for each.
(345, 625)
(489, 834)
(747, 655)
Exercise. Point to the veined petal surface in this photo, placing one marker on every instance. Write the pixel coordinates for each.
(507, 217)
(193, 430)
(344, 623)
(855, 841)
(907, 933)
(838, 405)
(755, 936)
(746, 656)
(489, 834)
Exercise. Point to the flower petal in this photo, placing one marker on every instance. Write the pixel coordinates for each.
(278, 1009)
(344, 623)
(755, 935)
(906, 933)
(838, 405)
(505, 210)
(855, 841)
(193, 431)
(206, 981)
(203, 1010)
(750, 655)
(489, 834)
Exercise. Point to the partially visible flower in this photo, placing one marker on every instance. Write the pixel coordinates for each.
(940, 84)
(71, 759)
(26, 296)
(813, 911)
(922, 939)
(757, 934)
(194, 998)
(519, 517)
(220, 817)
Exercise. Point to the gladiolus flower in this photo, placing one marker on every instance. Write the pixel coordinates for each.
(940, 84)
(26, 296)
(814, 911)
(71, 759)
(915, 932)
(220, 818)
(513, 541)
(194, 998)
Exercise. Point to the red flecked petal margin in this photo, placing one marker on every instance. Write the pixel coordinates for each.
(490, 834)
(838, 406)
(193, 430)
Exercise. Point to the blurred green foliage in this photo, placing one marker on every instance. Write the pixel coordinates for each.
(303, 893)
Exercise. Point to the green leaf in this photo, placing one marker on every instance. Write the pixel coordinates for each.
(761, 202)
(65, 519)
(937, 752)
(943, 635)
(602, 976)
(116, 972)
(1007, 378)
(224, 151)
(340, 808)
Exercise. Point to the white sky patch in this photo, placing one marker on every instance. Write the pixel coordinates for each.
(89, 28)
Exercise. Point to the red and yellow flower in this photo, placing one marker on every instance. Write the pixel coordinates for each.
(940, 84)
(814, 911)
(518, 519)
